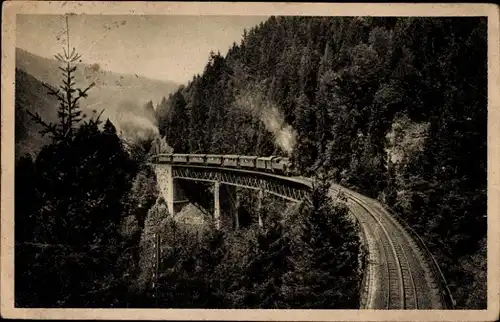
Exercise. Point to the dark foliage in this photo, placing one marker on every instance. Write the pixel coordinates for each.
(293, 261)
(393, 107)
(70, 203)
(68, 211)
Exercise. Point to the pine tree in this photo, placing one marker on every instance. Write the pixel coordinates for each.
(324, 250)
(177, 124)
(149, 111)
(109, 128)
(69, 113)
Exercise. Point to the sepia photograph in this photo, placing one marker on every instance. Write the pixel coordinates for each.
(277, 160)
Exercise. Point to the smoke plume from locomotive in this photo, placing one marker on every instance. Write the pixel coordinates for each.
(270, 115)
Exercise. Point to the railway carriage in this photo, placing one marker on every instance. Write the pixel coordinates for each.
(213, 159)
(180, 158)
(248, 161)
(264, 163)
(197, 158)
(163, 158)
(230, 160)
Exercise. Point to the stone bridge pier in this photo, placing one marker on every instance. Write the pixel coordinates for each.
(169, 189)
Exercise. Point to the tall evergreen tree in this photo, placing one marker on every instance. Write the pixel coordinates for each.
(68, 95)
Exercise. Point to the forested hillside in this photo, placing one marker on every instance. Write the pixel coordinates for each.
(31, 96)
(393, 107)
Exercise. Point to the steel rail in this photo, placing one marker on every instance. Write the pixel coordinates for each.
(397, 262)
(445, 293)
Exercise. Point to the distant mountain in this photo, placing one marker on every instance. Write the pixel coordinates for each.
(123, 97)
(136, 87)
(31, 95)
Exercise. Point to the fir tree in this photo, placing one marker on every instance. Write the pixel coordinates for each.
(68, 94)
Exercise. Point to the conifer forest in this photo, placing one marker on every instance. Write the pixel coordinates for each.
(393, 108)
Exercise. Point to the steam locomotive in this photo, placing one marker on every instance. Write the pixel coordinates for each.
(274, 164)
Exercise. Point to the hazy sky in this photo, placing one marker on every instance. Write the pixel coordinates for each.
(163, 47)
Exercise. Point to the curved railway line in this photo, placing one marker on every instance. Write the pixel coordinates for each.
(400, 272)
(397, 274)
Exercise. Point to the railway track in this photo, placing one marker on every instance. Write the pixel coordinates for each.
(401, 273)
(397, 276)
